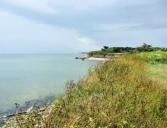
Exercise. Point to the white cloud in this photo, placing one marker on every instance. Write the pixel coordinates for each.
(21, 35)
(110, 21)
(36, 5)
(125, 35)
(55, 6)
(87, 44)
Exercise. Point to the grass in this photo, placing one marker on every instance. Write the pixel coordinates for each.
(116, 94)
(155, 57)
(157, 67)
(158, 72)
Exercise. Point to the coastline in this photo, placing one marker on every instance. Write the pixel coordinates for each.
(26, 109)
(100, 57)
(42, 112)
(97, 59)
(91, 91)
(10, 116)
(92, 58)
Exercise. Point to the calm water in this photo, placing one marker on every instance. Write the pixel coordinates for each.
(28, 77)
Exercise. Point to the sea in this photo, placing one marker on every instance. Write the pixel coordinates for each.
(37, 78)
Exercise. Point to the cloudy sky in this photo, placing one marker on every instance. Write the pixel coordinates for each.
(64, 26)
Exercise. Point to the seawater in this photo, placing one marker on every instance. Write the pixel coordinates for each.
(31, 77)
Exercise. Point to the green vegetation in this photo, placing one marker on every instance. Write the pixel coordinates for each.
(157, 67)
(158, 72)
(116, 94)
(113, 50)
(154, 57)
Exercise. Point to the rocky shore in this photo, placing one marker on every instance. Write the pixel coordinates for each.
(9, 117)
(14, 119)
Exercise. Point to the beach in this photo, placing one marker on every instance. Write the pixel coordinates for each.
(97, 59)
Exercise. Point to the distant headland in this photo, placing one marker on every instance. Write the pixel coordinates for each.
(108, 53)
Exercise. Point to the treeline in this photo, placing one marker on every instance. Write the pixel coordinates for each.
(110, 50)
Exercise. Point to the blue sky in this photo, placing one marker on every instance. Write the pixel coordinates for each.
(52, 26)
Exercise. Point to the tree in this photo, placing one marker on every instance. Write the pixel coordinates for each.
(106, 47)
(146, 45)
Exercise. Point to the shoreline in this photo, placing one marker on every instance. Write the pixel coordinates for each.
(24, 109)
(10, 115)
(93, 58)
(62, 113)
(97, 59)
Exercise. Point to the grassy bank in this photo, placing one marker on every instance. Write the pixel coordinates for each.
(116, 94)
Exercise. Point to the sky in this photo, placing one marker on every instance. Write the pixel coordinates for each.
(71, 26)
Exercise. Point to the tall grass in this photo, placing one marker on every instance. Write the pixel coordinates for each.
(154, 57)
(116, 94)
